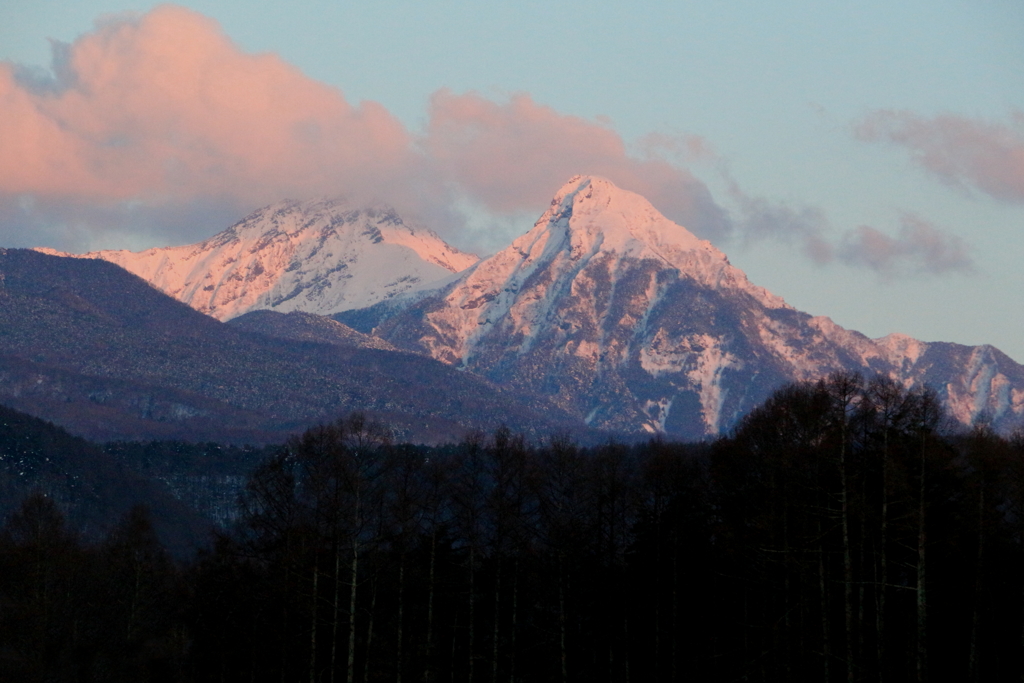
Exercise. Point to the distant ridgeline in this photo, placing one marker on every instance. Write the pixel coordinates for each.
(634, 325)
(93, 348)
(847, 530)
(604, 319)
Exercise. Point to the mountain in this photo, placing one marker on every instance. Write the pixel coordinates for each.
(632, 323)
(306, 327)
(92, 487)
(95, 349)
(323, 257)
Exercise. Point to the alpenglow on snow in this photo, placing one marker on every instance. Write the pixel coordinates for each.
(321, 257)
(620, 316)
(632, 323)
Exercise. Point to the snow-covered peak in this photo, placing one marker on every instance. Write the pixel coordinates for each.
(322, 256)
(590, 216)
(594, 208)
(902, 352)
(598, 216)
(901, 348)
(593, 244)
(381, 223)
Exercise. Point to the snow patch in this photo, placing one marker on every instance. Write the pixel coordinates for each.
(901, 350)
(702, 359)
(659, 410)
(711, 363)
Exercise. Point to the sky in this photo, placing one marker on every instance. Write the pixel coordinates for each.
(865, 161)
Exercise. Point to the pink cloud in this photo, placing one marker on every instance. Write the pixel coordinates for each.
(162, 109)
(150, 122)
(510, 156)
(683, 147)
(962, 151)
(920, 247)
(764, 219)
(164, 106)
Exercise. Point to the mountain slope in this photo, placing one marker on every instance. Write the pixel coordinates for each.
(320, 257)
(90, 486)
(630, 322)
(97, 350)
(306, 327)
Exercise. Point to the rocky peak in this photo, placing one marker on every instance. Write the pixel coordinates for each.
(591, 220)
(320, 256)
(593, 208)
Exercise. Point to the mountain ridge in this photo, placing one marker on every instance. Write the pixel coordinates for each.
(91, 347)
(630, 322)
(321, 256)
(622, 318)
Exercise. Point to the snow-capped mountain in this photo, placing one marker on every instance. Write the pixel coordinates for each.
(633, 323)
(319, 257)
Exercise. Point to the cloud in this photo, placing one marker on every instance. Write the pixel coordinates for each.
(156, 129)
(80, 225)
(164, 106)
(150, 114)
(765, 219)
(919, 248)
(961, 151)
(682, 147)
(513, 155)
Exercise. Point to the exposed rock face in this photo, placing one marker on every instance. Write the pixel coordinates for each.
(319, 257)
(634, 324)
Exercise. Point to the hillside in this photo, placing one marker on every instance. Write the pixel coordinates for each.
(90, 486)
(97, 350)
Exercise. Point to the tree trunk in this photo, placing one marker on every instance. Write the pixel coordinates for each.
(847, 557)
(136, 592)
(787, 595)
(973, 668)
(401, 615)
(675, 602)
(863, 569)
(1021, 635)
(455, 639)
(369, 632)
(826, 645)
(922, 615)
(428, 666)
(312, 636)
(515, 621)
(657, 603)
(284, 615)
(883, 561)
(353, 577)
(625, 634)
(561, 621)
(497, 606)
(472, 606)
(336, 607)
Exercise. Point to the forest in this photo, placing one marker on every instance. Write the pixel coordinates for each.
(844, 531)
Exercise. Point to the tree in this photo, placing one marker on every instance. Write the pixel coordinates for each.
(40, 600)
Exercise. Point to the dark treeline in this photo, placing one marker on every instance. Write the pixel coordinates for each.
(842, 533)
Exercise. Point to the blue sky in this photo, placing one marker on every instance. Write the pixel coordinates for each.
(865, 160)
